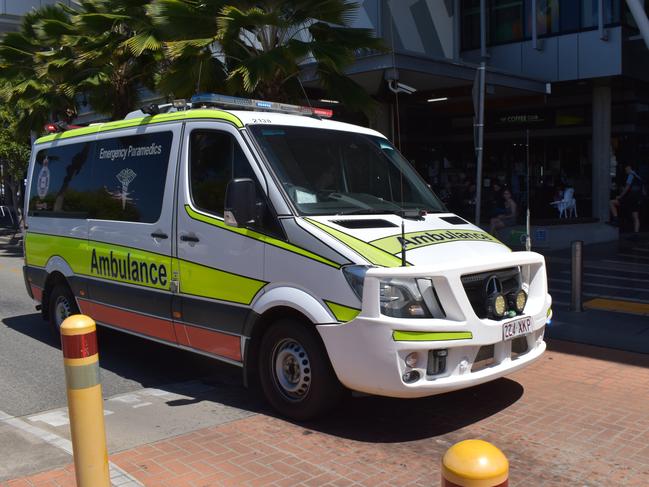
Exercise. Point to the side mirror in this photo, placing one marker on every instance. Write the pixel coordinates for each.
(240, 202)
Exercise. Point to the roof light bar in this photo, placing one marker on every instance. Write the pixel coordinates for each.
(251, 104)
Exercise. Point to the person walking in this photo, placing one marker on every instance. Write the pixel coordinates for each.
(629, 199)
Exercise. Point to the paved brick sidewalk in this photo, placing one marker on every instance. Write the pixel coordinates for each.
(579, 416)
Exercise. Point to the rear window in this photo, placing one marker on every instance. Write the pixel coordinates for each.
(120, 178)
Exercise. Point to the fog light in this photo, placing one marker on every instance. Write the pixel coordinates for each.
(411, 360)
(496, 305)
(517, 300)
(411, 376)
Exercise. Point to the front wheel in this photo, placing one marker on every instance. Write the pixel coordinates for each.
(295, 373)
(61, 305)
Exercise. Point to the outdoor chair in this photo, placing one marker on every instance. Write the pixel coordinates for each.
(567, 205)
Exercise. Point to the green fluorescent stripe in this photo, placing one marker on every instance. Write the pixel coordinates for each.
(78, 254)
(207, 282)
(148, 120)
(259, 236)
(373, 254)
(416, 240)
(82, 376)
(341, 312)
(425, 336)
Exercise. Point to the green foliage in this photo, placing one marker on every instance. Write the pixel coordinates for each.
(108, 50)
(258, 48)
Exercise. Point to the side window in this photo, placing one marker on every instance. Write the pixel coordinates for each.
(129, 175)
(61, 182)
(215, 159)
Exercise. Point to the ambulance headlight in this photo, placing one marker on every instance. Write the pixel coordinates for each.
(402, 298)
(355, 275)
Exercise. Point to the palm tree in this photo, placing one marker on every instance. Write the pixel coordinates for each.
(110, 52)
(258, 47)
(34, 96)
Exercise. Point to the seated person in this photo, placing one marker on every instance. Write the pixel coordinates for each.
(506, 219)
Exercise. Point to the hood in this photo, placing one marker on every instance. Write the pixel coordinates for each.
(432, 239)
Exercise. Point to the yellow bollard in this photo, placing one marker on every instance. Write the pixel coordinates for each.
(85, 402)
(474, 463)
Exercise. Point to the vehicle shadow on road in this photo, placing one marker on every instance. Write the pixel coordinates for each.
(367, 419)
(389, 420)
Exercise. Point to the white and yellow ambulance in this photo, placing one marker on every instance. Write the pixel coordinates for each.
(307, 251)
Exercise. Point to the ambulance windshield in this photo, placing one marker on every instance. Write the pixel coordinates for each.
(336, 172)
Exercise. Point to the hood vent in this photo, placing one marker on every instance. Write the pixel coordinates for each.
(368, 223)
(454, 220)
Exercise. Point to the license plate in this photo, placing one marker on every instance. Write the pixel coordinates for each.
(517, 327)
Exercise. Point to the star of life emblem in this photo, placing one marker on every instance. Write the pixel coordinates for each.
(126, 177)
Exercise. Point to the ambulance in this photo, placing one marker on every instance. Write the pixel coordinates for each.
(306, 251)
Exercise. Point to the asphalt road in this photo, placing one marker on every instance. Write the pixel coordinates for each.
(151, 391)
(31, 365)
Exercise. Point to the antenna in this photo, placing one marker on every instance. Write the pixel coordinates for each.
(198, 81)
(403, 243)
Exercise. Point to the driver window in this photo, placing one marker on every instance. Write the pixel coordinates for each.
(215, 159)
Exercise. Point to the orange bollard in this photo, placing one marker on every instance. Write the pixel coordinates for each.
(474, 463)
(85, 402)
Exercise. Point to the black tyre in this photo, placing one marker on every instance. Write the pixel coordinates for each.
(295, 373)
(61, 305)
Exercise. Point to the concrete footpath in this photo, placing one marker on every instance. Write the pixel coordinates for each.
(578, 416)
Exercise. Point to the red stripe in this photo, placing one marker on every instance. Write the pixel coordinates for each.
(37, 292)
(79, 346)
(209, 341)
(142, 324)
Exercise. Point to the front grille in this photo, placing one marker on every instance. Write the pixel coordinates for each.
(475, 286)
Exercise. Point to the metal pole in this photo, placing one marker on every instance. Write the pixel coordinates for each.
(480, 142)
(481, 97)
(483, 29)
(528, 226)
(600, 21)
(535, 41)
(576, 276)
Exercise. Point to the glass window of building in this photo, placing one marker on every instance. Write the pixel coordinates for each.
(546, 15)
(470, 24)
(506, 20)
(590, 13)
(569, 20)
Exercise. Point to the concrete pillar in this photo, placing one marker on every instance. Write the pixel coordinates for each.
(381, 120)
(601, 151)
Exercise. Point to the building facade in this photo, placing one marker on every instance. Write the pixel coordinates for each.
(567, 102)
(12, 11)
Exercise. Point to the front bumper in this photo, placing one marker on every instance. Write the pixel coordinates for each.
(367, 358)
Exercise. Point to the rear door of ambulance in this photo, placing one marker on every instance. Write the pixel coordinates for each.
(221, 268)
(130, 233)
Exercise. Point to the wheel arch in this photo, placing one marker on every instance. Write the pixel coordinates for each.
(257, 326)
(53, 278)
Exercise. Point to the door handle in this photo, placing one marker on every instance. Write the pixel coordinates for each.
(189, 238)
(159, 235)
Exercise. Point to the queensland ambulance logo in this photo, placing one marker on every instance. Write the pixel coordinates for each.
(43, 180)
(415, 240)
(126, 177)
